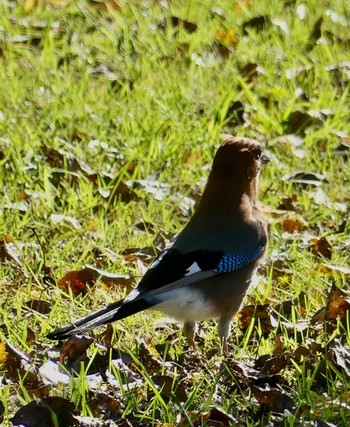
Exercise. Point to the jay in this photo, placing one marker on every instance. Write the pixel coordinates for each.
(207, 270)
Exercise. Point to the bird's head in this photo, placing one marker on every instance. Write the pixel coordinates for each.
(239, 158)
(235, 171)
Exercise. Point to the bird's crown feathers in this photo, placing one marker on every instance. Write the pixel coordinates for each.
(240, 143)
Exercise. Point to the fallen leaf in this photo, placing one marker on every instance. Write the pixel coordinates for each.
(341, 356)
(65, 160)
(33, 40)
(47, 412)
(159, 190)
(106, 276)
(243, 5)
(338, 305)
(305, 179)
(149, 356)
(291, 222)
(65, 221)
(280, 23)
(213, 418)
(168, 387)
(322, 247)
(40, 306)
(8, 251)
(242, 372)
(77, 281)
(298, 121)
(301, 11)
(103, 70)
(274, 364)
(73, 352)
(122, 191)
(52, 374)
(257, 23)
(182, 24)
(257, 312)
(288, 309)
(105, 405)
(19, 366)
(274, 400)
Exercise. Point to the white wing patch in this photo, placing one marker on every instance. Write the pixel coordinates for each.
(133, 295)
(156, 262)
(193, 269)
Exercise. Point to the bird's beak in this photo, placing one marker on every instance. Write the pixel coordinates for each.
(264, 159)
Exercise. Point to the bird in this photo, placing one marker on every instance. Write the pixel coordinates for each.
(206, 272)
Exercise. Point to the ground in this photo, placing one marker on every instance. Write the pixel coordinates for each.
(110, 113)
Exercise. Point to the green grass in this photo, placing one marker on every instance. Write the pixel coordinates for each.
(130, 96)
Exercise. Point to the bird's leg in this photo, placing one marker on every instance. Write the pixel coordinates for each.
(224, 331)
(189, 330)
(225, 346)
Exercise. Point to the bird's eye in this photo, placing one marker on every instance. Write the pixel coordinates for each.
(257, 153)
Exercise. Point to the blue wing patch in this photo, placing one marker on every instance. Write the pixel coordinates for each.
(230, 261)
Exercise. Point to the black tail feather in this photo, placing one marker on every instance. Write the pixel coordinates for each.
(116, 311)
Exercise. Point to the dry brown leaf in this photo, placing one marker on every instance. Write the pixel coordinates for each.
(65, 160)
(20, 367)
(40, 306)
(149, 356)
(243, 373)
(213, 418)
(338, 305)
(77, 281)
(288, 308)
(227, 37)
(274, 400)
(250, 71)
(260, 312)
(45, 413)
(169, 387)
(288, 203)
(183, 24)
(257, 23)
(73, 351)
(315, 34)
(292, 222)
(322, 247)
(123, 192)
(276, 363)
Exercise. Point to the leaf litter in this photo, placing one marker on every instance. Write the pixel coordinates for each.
(266, 379)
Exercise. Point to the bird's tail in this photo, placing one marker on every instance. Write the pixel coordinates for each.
(116, 311)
